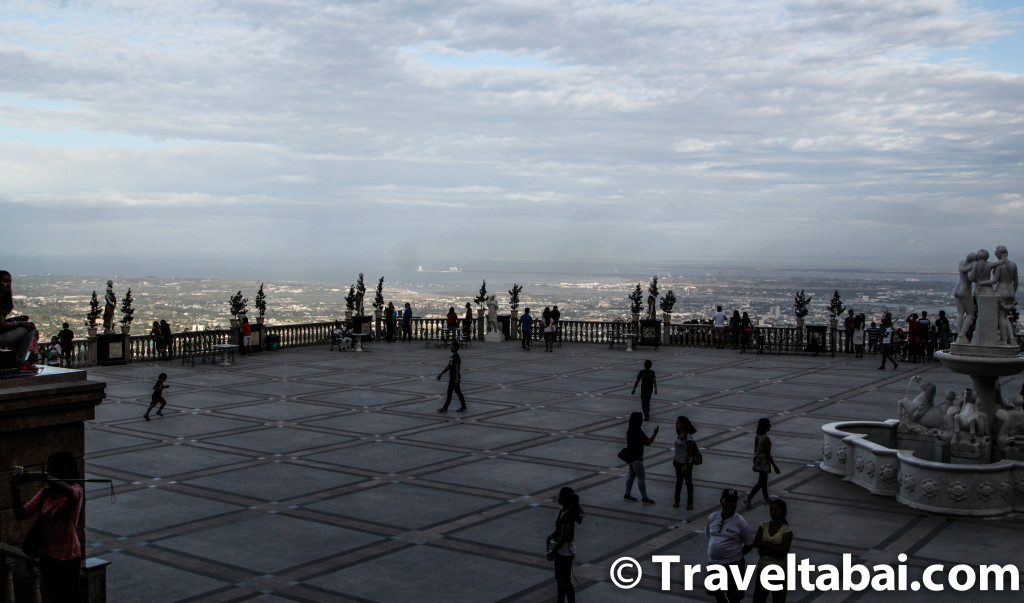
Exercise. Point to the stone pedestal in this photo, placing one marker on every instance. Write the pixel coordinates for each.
(965, 452)
(111, 349)
(494, 337)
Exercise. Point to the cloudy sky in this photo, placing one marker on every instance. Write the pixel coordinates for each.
(220, 134)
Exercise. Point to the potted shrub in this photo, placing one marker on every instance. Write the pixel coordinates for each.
(835, 308)
(238, 306)
(94, 313)
(350, 302)
(800, 303)
(127, 312)
(636, 301)
(261, 304)
(481, 298)
(513, 304)
(668, 302)
(378, 299)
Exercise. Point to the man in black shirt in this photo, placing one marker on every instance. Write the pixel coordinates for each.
(648, 386)
(454, 370)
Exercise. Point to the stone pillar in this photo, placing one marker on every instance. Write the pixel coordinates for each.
(40, 415)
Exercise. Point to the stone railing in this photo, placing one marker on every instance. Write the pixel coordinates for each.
(774, 340)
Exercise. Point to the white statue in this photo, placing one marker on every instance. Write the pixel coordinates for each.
(1004, 278)
(492, 314)
(110, 302)
(964, 298)
(970, 419)
(1011, 422)
(921, 415)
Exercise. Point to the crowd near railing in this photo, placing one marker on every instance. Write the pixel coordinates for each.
(772, 340)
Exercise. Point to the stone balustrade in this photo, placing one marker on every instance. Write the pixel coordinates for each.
(775, 340)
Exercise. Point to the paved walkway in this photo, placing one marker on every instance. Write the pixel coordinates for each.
(309, 475)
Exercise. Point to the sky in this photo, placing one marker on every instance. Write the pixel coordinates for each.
(296, 138)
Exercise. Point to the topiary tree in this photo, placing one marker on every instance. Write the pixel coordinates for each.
(835, 306)
(378, 298)
(238, 304)
(800, 303)
(127, 311)
(261, 301)
(481, 298)
(350, 299)
(636, 299)
(668, 301)
(94, 311)
(513, 296)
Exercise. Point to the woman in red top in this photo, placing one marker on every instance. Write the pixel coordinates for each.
(59, 506)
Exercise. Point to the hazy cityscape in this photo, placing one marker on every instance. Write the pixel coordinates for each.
(202, 303)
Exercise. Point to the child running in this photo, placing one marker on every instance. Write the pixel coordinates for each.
(158, 396)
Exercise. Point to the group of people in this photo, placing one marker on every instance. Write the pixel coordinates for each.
(164, 339)
(548, 326)
(922, 338)
(391, 322)
(736, 331)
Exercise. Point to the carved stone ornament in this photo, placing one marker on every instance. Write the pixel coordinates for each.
(986, 490)
(826, 450)
(909, 482)
(930, 488)
(957, 491)
(888, 472)
(1005, 488)
(869, 468)
(841, 453)
(858, 463)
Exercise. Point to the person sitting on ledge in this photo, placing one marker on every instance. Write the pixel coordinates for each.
(16, 332)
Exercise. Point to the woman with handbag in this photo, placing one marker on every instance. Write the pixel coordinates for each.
(562, 545)
(633, 455)
(685, 454)
(59, 506)
(763, 461)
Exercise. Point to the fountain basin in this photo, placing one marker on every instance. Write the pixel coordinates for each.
(867, 454)
(982, 365)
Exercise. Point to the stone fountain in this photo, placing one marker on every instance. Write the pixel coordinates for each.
(965, 454)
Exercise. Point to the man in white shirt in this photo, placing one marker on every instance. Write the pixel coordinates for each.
(718, 322)
(730, 537)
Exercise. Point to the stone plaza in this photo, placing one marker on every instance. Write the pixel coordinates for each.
(314, 475)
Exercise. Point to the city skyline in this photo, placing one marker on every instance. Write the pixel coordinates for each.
(298, 140)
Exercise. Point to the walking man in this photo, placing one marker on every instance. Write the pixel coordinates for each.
(648, 385)
(454, 370)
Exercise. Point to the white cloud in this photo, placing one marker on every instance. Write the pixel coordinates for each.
(599, 115)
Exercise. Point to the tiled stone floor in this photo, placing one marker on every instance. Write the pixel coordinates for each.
(309, 475)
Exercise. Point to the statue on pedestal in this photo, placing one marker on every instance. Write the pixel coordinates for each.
(1004, 278)
(492, 314)
(360, 294)
(108, 309)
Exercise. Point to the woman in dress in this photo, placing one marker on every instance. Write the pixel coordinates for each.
(773, 540)
(734, 327)
(59, 507)
(562, 545)
(682, 461)
(636, 440)
(763, 461)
